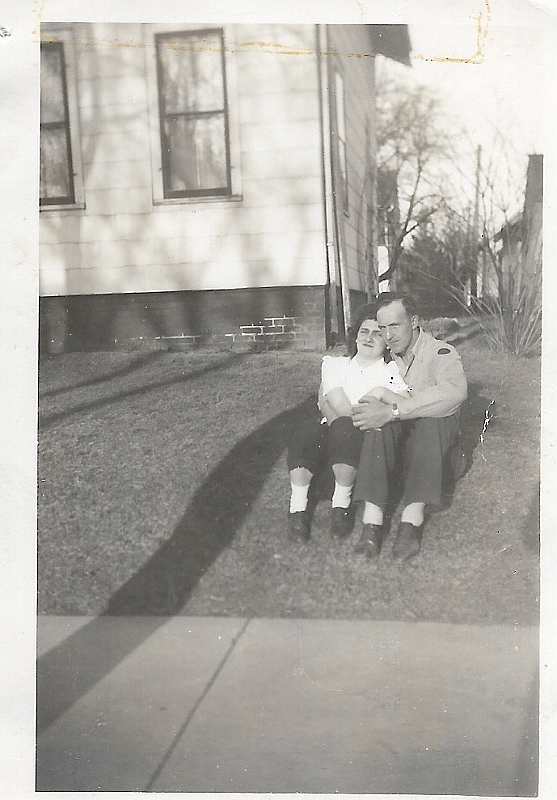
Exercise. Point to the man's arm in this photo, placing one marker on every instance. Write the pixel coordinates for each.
(447, 394)
(440, 400)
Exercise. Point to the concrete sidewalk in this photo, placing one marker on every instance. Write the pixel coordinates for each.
(186, 704)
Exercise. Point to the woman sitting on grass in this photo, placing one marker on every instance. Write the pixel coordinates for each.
(345, 380)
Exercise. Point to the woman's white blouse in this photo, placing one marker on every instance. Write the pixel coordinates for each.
(345, 373)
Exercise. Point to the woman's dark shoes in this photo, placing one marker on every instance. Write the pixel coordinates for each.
(370, 542)
(341, 523)
(298, 526)
(408, 542)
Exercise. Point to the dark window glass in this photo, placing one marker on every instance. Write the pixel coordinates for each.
(193, 114)
(56, 183)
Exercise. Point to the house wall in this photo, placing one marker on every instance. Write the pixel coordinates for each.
(123, 238)
(351, 53)
(269, 234)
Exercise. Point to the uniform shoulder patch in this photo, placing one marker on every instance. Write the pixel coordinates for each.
(443, 351)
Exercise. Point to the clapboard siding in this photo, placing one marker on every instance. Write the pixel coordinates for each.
(272, 248)
(351, 53)
(123, 241)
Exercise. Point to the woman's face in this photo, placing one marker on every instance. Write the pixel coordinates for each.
(369, 341)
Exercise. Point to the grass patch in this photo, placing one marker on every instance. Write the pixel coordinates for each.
(163, 489)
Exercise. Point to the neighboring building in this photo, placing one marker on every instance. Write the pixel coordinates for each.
(518, 244)
(197, 178)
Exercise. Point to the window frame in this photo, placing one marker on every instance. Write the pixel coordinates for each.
(63, 36)
(231, 109)
(225, 190)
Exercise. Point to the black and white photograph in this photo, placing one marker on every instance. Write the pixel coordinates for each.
(280, 468)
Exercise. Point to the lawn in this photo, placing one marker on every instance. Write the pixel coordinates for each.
(163, 489)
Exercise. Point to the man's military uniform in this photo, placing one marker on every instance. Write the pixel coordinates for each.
(434, 374)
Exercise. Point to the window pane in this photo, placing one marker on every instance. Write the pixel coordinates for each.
(56, 182)
(196, 158)
(53, 107)
(191, 73)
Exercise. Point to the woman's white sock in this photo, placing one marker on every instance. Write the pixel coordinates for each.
(341, 496)
(298, 498)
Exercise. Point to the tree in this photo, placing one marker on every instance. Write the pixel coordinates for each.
(456, 219)
(487, 254)
(414, 153)
(434, 266)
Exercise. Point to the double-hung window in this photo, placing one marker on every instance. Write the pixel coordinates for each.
(57, 184)
(193, 116)
(60, 162)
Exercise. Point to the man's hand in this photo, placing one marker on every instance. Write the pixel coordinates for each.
(371, 414)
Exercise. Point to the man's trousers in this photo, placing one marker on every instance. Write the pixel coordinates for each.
(419, 449)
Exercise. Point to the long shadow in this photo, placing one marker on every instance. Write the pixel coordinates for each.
(162, 586)
(47, 420)
(137, 364)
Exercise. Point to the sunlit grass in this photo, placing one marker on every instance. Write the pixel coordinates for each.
(138, 451)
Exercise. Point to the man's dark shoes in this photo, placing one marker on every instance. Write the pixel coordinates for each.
(370, 542)
(408, 542)
(341, 523)
(298, 526)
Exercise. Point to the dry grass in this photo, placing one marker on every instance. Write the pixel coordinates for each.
(163, 489)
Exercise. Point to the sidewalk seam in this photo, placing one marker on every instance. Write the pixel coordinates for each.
(202, 696)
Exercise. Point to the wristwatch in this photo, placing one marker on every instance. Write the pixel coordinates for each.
(395, 411)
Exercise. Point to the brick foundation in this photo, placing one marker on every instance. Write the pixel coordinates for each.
(264, 318)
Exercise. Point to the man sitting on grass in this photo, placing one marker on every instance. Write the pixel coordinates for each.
(422, 428)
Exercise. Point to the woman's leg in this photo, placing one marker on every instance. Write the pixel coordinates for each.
(300, 480)
(306, 451)
(345, 442)
(345, 477)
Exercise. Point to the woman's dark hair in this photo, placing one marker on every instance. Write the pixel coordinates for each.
(368, 311)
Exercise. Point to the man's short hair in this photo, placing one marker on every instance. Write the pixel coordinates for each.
(409, 303)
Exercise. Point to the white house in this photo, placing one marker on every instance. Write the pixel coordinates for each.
(198, 178)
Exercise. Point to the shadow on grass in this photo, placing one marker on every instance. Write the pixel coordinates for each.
(472, 418)
(135, 365)
(162, 586)
(46, 420)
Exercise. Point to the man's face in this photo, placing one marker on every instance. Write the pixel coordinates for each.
(398, 328)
